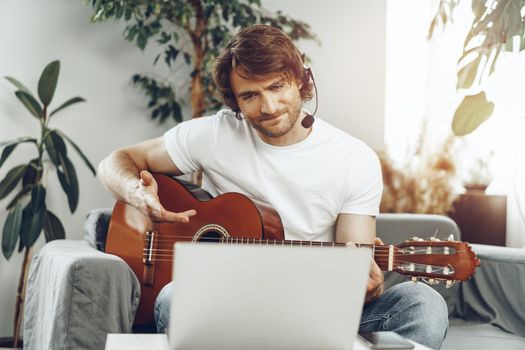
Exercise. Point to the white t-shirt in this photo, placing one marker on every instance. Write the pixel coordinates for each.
(309, 183)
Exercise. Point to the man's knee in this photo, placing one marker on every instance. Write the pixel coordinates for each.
(423, 311)
(162, 308)
(428, 303)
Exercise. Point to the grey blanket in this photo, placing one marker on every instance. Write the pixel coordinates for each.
(76, 295)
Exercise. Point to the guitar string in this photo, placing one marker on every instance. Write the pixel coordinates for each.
(376, 256)
(380, 250)
(398, 266)
(286, 242)
(163, 238)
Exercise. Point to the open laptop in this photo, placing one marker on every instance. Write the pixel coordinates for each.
(266, 297)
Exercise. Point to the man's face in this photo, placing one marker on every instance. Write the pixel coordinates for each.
(271, 105)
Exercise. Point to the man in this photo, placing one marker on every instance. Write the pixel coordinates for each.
(325, 184)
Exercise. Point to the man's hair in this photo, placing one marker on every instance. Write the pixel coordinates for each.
(256, 52)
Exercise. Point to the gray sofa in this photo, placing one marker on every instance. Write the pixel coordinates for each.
(76, 294)
(488, 310)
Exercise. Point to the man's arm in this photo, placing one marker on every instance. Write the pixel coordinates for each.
(126, 174)
(362, 229)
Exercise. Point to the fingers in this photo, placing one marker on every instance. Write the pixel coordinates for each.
(182, 217)
(378, 241)
(376, 280)
(146, 178)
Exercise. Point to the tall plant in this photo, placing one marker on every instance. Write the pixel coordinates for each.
(498, 26)
(28, 214)
(192, 33)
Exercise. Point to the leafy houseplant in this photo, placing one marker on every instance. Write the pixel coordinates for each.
(498, 26)
(27, 214)
(191, 33)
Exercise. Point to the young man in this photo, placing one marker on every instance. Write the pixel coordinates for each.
(325, 184)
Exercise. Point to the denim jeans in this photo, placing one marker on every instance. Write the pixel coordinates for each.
(413, 310)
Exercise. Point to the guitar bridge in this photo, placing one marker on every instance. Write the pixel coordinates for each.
(150, 242)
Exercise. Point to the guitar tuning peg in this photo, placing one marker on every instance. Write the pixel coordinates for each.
(414, 279)
(415, 238)
(450, 283)
(450, 238)
(430, 281)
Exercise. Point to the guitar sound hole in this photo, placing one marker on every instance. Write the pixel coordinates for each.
(211, 237)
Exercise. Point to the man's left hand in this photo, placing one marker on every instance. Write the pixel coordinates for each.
(376, 280)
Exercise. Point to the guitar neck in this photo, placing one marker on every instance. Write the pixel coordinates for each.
(383, 254)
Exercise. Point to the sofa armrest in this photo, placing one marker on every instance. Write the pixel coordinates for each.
(495, 293)
(76, 295)
(96, 227)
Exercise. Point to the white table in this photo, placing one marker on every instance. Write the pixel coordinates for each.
(160, 342)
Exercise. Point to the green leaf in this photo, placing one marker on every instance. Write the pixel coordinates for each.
(38, 197)
(84, 158)
(11, 230)
(23, 192)
(48, 82)
(32, 224)
(10, 147)
(55, 146)
(53, 228)
(478, 9)
(19, 85)
(69, 181)
(467, 74)
(11, 180)
(68, 103)
(30, 103)
(33, 173)
(471, 113)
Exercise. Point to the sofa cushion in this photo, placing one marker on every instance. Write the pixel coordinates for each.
(96, 227)
(495, 293)
(464, 335)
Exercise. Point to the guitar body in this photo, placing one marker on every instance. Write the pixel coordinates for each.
(147, 247)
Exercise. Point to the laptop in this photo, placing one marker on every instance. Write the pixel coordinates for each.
(266, 297)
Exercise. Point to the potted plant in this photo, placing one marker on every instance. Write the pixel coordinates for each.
(28, 214)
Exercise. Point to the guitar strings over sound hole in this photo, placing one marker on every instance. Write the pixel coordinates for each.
(212, 233)
(211, 237)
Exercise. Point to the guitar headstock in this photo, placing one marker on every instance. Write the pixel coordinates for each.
(434, 260)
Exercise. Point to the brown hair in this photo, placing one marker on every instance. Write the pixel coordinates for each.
(258, 51)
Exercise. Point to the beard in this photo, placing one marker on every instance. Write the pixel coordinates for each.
(283, 127)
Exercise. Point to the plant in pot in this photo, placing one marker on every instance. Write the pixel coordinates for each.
(28, 214)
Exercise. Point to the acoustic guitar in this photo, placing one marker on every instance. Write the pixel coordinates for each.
(233, 218)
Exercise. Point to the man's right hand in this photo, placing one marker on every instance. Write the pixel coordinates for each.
(147, 201)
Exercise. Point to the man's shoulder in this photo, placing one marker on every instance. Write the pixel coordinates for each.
(344, 141)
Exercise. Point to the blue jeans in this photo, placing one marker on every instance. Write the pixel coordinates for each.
(414, 310)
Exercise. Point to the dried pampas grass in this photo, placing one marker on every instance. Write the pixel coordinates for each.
(424, 183)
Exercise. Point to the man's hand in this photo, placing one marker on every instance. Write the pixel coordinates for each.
(147, 201)
(376, 280)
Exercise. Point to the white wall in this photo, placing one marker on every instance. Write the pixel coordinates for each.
(97, 64)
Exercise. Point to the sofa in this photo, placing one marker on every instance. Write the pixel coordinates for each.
(76, 294)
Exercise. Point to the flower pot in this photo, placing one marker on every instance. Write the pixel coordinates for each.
(7, 343)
